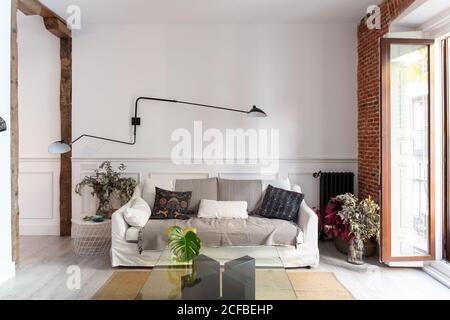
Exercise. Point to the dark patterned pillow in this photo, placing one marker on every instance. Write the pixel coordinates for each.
(171, 205)
(280, 204)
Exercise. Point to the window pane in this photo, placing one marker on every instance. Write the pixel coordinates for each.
(409, 150)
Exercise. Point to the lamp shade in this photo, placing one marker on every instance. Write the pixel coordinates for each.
(59, 147)
(2, 125)
(257, 113)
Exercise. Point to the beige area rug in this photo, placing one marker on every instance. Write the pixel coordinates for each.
(126, 285)
(318, 286)
(123, 285)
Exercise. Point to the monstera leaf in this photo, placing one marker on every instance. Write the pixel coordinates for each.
(184, 244)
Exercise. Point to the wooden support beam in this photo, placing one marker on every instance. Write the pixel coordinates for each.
(14, 128)
(65, 205)
(57, 27)
(34, 8)
(54, 23)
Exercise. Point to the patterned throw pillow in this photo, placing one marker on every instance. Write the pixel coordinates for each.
(171, 205)
(280, 204)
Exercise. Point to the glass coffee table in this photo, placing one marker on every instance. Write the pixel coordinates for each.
(271, 280)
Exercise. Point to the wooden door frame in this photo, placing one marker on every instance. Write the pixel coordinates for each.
(446, 125)
(386, 255)
(58, 27)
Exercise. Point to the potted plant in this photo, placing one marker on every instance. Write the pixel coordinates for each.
(353, 224)
(333, 226)
(184, 244)
(106, 183)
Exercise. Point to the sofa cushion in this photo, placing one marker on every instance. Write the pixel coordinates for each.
(240, 190)
(254, 231)
(200, 188)
(211, 209)
(280, 204)
(132, 234)
(284, 184)
(171, 204)
(149, 190)
(138, 213)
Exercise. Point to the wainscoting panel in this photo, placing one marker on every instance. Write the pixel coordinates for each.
(300, 171)
(247, 176)
(39, 196)
(37, 188)
(39, 183)
(309, 185)
(179, 175)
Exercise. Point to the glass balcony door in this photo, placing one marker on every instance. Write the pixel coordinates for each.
(407, 149)
(446, 97)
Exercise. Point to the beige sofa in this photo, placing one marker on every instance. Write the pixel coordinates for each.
(300, 251)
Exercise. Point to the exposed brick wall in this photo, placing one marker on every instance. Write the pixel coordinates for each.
(369, 97)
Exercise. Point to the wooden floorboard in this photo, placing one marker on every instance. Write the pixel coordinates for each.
(42, 275)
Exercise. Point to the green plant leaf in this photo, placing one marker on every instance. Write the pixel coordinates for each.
(105, 183)
(185, 246)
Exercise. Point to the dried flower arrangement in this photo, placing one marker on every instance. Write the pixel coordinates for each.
(105, 182)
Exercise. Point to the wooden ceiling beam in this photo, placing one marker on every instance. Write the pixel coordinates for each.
(34, 8)
(54, 23)
(58, 28)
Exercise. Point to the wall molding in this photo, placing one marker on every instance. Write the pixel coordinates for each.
(438, 25)
(38, 217)
(300, 171)
(169, 160)
(52, 195)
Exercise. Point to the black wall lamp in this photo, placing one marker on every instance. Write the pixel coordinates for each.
(2, 125)
(61, 147)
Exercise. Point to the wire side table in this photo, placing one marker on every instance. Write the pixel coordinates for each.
(91, 239)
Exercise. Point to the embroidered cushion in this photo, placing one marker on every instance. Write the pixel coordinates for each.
(171, 204)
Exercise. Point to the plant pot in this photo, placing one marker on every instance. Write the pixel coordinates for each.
(356, 252)
(341, 245)
(109, 214)
(370, 247)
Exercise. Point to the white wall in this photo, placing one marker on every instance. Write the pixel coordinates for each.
(6, 265)
(39, 118)
(303, 76)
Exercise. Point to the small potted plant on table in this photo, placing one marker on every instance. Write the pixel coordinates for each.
(106, 183)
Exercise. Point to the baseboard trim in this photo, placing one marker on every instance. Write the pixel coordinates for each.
(39, 230)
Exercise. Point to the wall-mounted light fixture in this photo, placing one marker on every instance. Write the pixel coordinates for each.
(2, 125)
(61, 147)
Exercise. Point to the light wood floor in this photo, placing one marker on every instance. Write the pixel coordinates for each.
(42, 275)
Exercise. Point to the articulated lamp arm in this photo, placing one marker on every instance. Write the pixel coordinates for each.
(61, 147)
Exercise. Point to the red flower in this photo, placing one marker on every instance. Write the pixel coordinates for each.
(333, 226)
